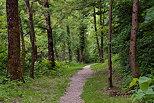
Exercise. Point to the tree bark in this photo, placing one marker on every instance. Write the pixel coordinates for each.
(102, 33)
(134, 30)
(23, 48)
(69, 43)
(97, 41)
(109, 46)
(50, 38)
(32, 37)
(14, 70)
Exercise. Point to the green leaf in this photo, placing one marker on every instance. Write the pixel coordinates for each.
(144, 86)
(134, 100)
(150, 91)
(140, 94)
(144, 83)
(152, 86)
(133, 82)
(139, 97)
(144, 79)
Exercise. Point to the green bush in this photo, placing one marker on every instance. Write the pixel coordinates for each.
(42, 68)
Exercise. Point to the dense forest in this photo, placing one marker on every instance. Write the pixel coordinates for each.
(43, 43)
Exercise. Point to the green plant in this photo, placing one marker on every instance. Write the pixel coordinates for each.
(144, 89)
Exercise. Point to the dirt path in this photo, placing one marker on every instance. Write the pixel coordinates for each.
(73, 92)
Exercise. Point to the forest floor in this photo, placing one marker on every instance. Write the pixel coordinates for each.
(96, 88)
(90, 85)
(73, 84)
(43, 89)
(72, 95)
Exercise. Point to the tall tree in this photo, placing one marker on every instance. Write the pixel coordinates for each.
(77, 54)
(69, 43)
(50, 38)
(14, 70)
(109, 46)
(97, 40)
(134, 30)
(82, 42)
(102, 33)
(23, 47)
(63, 56)
(32, 36)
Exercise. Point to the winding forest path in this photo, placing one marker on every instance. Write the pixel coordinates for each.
(75, 89)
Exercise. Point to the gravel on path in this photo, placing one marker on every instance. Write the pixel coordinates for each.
(73, 92)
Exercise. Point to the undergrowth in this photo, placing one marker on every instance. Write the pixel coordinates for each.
(45, 88)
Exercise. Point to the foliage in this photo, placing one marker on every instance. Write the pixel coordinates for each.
(145, 92)
(3, 37)
(42, 65)
(121, 37)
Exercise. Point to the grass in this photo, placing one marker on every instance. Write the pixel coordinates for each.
(46, 89)
(96, 88)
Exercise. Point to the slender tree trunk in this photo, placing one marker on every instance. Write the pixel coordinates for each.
(102, 33)
(64, 52)
(109, 46)
(14, 70)
(82, 43)
(81, 56)
(134, 30)
(56, 53)
(69, 43)
(23, 48)
(32, 37)
(97, 41)
(50, 38)
(78, 55)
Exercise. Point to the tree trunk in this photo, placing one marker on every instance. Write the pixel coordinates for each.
(23, 48)
(102, 33)
(97, 41)
(81, 56)
(64, 52)
(82, 43)
(14, 70)
(109, 46)
(32, 37)
(69, 43)
(134, 30)
(56, 53)
(78, 55)
(50, 38)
